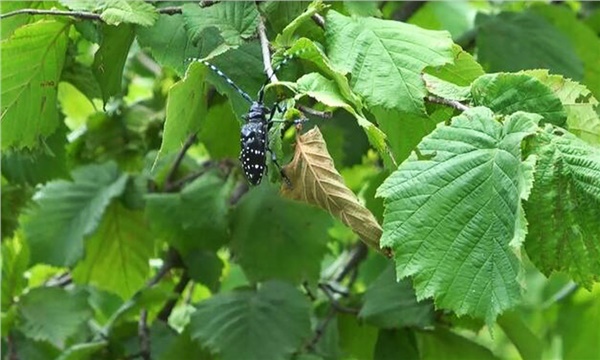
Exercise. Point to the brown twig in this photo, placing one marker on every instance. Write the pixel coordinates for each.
(144, 336)
(452, 103)
(311, 111)
(188, 143)
(320, 330)
(165, 312)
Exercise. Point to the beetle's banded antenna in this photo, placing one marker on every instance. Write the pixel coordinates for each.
(221, 74)
(286, 59)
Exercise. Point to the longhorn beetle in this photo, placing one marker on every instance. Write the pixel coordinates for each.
(254, 133)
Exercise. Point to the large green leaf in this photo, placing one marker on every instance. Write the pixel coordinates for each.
(564, 206)
(117, 254)
(268, 323)
(577, 324)
(138, 12)
(452, 211)
(196, 218)
(67, 212)
(32, 61)
(513, 41)
(186, 108)
(274, 237)
(386, 58)
(52, 313)
(110, 58)
(505, 94)
(390, 343)
(391, 304)
(236, 20)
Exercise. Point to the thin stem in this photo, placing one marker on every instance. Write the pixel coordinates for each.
(75, 14)
(266, 52)
(144, 336)
(311, 111)
(165, 312)
(188, 143)
(452, 103)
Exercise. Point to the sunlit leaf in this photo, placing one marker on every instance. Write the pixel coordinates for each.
(32, 61)
(138, 12)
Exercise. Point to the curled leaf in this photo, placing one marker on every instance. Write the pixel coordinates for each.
(316, 181)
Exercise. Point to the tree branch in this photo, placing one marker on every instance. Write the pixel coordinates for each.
(452, 103)
(407, 10)
(188, 143)
(165, 312)
(144, 336)
(75, 14)
(313, 112)
(266, 52)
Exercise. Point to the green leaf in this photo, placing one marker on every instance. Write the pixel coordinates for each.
(220, 132)
(15, 261)
(286, 36)
(451, 214)
(564, 206)
(442, 344)
(186, 107)
(236, 20)
(527, 41)
(117, 254)
(39, 165)
(52, 313)
(128, 11)
(390, 343)
(386, 58)
(390, 304)
(194, 219)
(169, 42)
(577, 325)
(269, 323)
(357, 340)
(204, 267)
(504, 93)
(326, 92)
(67, 212)
(452, 81)
(277, 238)
(583, 39)
(8, 25)
(33, 59)
(110, 58)
(582, 108)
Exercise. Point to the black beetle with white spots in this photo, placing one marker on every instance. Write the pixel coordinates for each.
(254, 133)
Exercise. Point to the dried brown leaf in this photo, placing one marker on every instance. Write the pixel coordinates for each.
(316, 181)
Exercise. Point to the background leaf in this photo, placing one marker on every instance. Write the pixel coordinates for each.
(53, 314)
(67, 212)
(278, 238)
(117, 255)
(270, 322)
(138, 12)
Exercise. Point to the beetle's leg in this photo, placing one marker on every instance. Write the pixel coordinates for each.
(281, 172)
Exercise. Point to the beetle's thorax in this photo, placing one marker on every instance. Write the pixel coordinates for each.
(257, 112)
